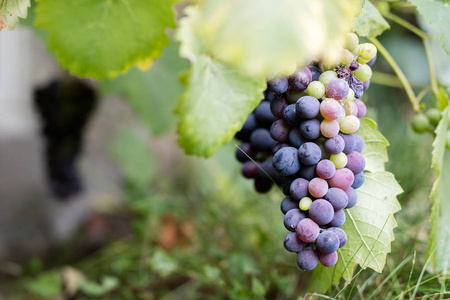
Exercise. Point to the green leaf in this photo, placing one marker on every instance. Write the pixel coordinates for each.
(162, 263)
(217, 98)
(262, 37)
(439, 247)
(152, 94)
(104, 38)
(436, 13)
(370, 223)
(370, 22)
(375, 144)
(93, 288)
(47, 285)
(11, 11)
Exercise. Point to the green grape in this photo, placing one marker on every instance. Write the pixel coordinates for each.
(420, 123)
(305, 203)
(292, 95)
(339, 160)
(367, 51)
(327, 76)
(433, 115)
(350, 124)
(350, 97)
(351, 41)
(361, 61)
(316, 89)
(347, 57)
(363, 73)
(341, 118)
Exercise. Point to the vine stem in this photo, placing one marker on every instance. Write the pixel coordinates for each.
(405, 24)
(434, 85)
(401, 76)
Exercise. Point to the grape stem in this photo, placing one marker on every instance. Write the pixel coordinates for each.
(401, 76)
(386, 79)
(434, 85)
(426, 43)
(405, 24)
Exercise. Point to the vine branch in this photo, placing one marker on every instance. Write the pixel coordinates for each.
(401, 76)
(405, 24)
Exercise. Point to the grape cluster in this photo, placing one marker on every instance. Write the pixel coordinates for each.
(255, 151)
(316, 151)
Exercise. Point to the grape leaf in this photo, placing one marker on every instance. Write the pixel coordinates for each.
(262, 37)
(375, 144)
(217, 98)
(142, 90)
(104, 38)
(11, 11)
(370, 223)
(370, 22)
(439, 248)
(436, 13)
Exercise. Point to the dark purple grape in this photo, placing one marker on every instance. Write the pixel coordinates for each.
(287, 204)
(299, 188)
(261, 140)
(250, 170)
(337, 89)
(334, 145)
(241, 152)
(262, 185)
(300, 79)
(286, 184)
(279, 130)
(359, 180)
(286, 162)
(318, 187)
(328, 260)
(292, 218)
(352, 197)
(278, 85)
(295, 137)
(338, 219)
(340, 234)
(269, 96)
(325, 169)
(327, 242)
(307, 230)
(292, 243)
(307, 259)
(307, 107)
(290, 116)
(372, 61)
(263, 115)
(343, 179)
(277, 107)
(355, 162)
(279, 146)
(315, 73)
(356, 85)
(321, 211)
(310, 129)
(308, 172)
(366, 85)
(266, 169)
(309, 153)
(337, 197)
(359, 143)
(350, 142)
(249, 126)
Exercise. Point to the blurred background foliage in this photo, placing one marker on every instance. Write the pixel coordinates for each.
(197, 230)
